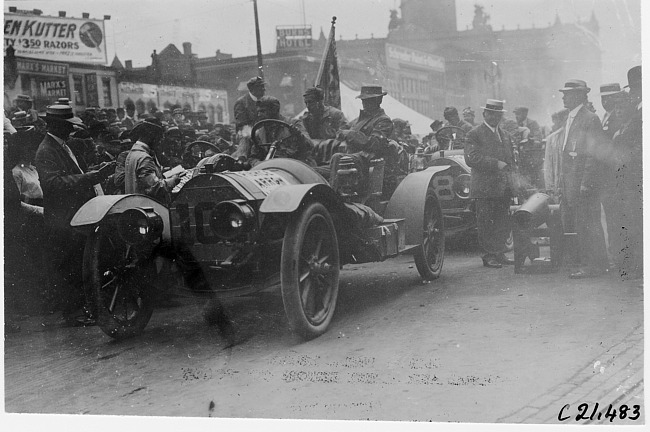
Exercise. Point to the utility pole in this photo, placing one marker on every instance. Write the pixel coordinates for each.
(259, 43)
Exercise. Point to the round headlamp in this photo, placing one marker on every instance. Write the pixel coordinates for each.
(230, 219)
(462, 185)
(140, 225)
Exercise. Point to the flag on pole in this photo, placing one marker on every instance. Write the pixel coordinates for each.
(328, 73)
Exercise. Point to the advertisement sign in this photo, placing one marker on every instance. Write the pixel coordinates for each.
(54, 38)
(33, 67)
(52, 88)
(293, 37)
(397, 54)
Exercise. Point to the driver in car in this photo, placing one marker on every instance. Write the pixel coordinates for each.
(292, 142)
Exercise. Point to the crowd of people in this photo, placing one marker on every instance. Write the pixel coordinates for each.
(56, 162)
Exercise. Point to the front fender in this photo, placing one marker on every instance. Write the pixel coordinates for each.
(95, 210)
(408, 202)
(287, 199)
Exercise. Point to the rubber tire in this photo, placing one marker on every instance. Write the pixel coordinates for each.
(296, 232)
(95, 266)
(432, 213)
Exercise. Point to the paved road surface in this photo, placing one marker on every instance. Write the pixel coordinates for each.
(477, 345)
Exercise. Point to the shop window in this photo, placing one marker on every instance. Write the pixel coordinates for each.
(219, 114)
(78, 82)
(106, 87)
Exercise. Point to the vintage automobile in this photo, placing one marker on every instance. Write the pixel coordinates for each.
(453, 183)
(280, 223)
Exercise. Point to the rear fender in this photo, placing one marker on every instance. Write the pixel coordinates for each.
(287, 199)
(408, 202)
(98, 208)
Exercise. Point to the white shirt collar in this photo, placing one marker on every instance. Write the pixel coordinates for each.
(493, 129)
(575, 110)
(57, 139)
(252, 97)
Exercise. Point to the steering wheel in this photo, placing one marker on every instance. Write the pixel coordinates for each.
(450, 138)
(264, 122)
(196, 151)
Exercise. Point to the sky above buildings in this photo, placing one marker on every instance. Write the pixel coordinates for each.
(137, 27)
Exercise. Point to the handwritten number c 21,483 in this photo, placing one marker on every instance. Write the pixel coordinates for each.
(585, 413)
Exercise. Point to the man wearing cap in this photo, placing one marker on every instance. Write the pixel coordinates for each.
(295, 142)
(129, 118)
(581, 175)
(489, 152)
(453, 119)
(142, 170)
(321, 121)
(246, 106)
(521, 115)
(66, 187)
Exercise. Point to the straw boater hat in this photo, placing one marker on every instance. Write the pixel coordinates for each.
(494, 105)
(609, 89)
(368, 92)
(575, 85)
(62, 113)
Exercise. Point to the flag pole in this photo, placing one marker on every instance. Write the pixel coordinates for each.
(259, 43)
(321, 68)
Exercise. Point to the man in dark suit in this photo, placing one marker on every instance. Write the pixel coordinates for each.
(581, 170)
(246, 106)
(609, 93)
(66, 187)
(489, 152)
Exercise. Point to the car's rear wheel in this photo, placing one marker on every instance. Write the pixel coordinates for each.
(120, 282)
(430, 255)
(310, 271)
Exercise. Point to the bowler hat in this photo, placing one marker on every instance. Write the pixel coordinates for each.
(494, 105)
(575, 85)
(62, 113)
(520, 109)
(609, 89)
(633, 77)
(368, 92)
(256, 81)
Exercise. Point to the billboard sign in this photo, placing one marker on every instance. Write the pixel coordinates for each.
(293, 38)
(54, 38)
(396, 55)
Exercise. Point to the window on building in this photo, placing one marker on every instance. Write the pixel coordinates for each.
(78, 90)
(106, 87)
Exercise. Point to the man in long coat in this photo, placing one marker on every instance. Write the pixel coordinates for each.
(67, 185)
(581, 171)
(489, 152)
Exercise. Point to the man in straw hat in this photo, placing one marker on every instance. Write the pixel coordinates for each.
(581, 178)
(489, 152)
(608, 94)
(66, 185)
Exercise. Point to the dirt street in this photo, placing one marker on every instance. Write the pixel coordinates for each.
(477, 345)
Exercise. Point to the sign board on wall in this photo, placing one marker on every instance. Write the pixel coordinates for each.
(54, 38)
(293, 37)
(397, 54)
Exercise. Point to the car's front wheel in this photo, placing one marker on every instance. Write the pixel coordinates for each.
(430, 255)
(120, 281)
(310, 271)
